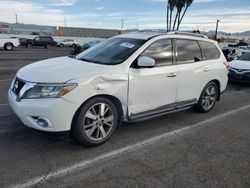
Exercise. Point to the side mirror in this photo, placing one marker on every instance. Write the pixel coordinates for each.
(146, 62)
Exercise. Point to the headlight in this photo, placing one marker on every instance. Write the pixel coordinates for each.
(48, 91)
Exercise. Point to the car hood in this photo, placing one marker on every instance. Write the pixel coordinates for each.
(59, 70)
(239, 64)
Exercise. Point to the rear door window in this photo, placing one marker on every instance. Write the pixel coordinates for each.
(209, 50)
(188, 51)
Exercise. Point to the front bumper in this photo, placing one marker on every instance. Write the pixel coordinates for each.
(58, 112)
(239, 77)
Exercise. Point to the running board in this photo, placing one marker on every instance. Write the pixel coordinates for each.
(176, 107)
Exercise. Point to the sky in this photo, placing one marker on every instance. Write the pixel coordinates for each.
(234, 15)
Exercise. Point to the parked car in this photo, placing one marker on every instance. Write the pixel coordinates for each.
(90, 44)
(22, 41)
(245, 49)
(9, 44)
(78, 48)
(43, 41)
(126, 78)
(239, 70)
(231, 53)
(66, 42)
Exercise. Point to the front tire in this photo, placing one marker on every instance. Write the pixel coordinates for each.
(208, 98)
(95, 122)
(8, 46)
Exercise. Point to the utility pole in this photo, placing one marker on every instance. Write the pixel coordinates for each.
(65, 21)
(216, 30)
(137, 26)
(16, 18)
(122, 25)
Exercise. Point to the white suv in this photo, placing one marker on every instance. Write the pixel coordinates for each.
(66, 42)
(129, 77)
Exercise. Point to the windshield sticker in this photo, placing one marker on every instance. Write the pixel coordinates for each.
(127, 45)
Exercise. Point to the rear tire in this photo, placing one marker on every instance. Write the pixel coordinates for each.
(8, 46)
(208, 98)
(95, 122)
(48, 46)
(29, 46)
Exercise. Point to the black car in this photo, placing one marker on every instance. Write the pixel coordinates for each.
(43, 41)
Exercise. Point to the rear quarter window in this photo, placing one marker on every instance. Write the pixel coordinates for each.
(209, 50)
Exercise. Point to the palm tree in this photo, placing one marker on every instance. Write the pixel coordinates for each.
(187, 4)
(179, 6)
(172, 4)
(167, 14)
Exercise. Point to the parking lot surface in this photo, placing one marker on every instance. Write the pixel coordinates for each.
(185, 149)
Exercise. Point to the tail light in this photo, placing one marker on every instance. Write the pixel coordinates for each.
(226, 64)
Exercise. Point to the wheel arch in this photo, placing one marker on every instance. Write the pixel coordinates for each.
(217, 82)
(8, 43)
(114, 99)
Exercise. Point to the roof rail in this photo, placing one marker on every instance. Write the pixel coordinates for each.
(187, 33)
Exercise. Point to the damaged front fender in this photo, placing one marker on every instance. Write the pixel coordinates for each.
(106, 84)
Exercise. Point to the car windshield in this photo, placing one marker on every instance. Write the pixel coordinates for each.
(245, 57)
(111, 51)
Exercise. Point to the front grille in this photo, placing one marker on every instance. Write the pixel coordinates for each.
(232, 71)
(246, 76)
(240, 77)
(17, 86)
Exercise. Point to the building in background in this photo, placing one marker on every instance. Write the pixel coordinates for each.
(31, 29)
(26, 29)
(86, 32)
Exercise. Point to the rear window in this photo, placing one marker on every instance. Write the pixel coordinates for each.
(209, 50)
(188, 51)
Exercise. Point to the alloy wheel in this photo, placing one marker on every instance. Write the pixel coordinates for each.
(209, 97)
(9, 47)
(98, 121)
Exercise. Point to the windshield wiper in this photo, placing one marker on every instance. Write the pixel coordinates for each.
(90, 61)
(72, 56)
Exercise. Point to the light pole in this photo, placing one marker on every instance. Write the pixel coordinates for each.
(216, 30)
(122, 25)
(16, 18)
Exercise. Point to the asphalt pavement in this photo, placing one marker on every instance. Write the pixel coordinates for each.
(185, 149)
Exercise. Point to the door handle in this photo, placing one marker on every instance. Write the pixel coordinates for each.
(206, 70)
(171, 75)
